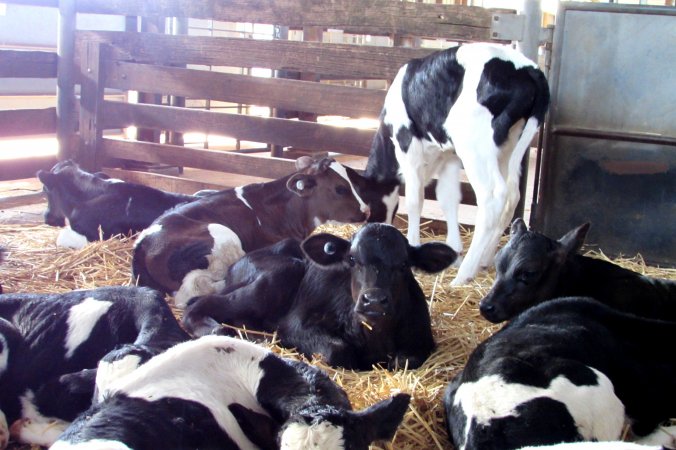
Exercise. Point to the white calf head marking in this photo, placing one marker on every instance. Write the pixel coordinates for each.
(239, 192)
(154, 228)
(323, 435)
(81, 321)
(340, 170)
(70, 239)
(597, 411)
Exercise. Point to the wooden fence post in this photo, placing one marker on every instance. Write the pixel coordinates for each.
(91, 98)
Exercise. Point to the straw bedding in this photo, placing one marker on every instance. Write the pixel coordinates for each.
(35, 264)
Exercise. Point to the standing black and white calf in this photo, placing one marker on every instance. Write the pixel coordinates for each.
(566, 370)
(226, 393)
(532, 268)
(476, 106)
(50, 345)
(355, 302)
(90, 201)
(189, 249)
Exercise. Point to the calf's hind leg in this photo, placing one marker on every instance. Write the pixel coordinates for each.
(257, 304)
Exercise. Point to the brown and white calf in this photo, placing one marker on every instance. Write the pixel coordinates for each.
(92, 200)
(188, 250)
(356, 303)
(475, 106)
(219, 392)
(533, 268)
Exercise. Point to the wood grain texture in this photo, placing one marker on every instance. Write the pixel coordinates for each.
(273, 92)
(198, 158)
(306, 135)
(27, 64)
(380, 17)
(331, 60)
(24, 122)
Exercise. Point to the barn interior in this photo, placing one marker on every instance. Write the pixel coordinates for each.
(203, 96)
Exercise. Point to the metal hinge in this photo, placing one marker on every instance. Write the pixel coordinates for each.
(507, 27)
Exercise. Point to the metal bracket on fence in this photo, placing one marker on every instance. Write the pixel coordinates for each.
(507, 27)
(547, 35)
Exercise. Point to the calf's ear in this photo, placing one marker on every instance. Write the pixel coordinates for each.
(572, 241)
(325, 249)
(46, 178)
(261, 429)
(432, 257)
(380, 421)
(518, 227)
(304, 162)
(302, 185)
(101, 175)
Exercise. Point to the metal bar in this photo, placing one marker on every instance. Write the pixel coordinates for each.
(644, 138)
(65, 83)
(528, 45)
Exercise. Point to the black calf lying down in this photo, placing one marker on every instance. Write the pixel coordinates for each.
(91, 200)
(222, 392)
(533, 268)
(355, 302)
(567, 370)
(50, 345)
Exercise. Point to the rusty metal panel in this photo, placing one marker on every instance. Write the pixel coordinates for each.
(610, 143)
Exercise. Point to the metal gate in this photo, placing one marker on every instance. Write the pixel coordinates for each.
(610, 142)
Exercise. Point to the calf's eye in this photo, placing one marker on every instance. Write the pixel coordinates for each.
(526, 276)
(329, 248)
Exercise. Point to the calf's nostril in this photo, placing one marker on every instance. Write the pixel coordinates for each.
(486, 308)
(374, 297)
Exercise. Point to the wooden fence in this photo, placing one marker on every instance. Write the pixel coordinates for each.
(164, 64)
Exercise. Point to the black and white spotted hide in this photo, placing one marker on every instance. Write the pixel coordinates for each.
(51, 345)
(226, 393)
(93, 205)
(475, 106)
(567, 370)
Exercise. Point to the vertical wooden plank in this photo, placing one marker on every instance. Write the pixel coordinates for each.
(65, 83)
(150, 25)
(91, 98)
(181, 27)
(280, 32)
